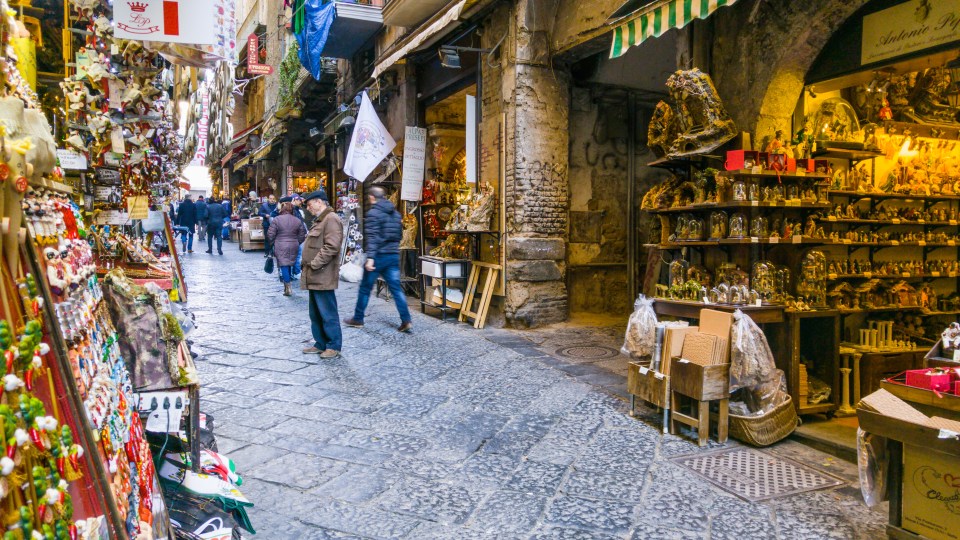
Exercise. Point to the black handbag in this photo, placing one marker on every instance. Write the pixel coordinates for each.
(268, 265)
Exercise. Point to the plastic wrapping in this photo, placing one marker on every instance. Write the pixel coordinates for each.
(872, 463)
(641, 336)
(753, 369)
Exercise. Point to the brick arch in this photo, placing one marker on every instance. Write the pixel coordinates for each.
(762, 50)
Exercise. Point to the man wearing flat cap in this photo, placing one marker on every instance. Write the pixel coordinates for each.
(321, 275)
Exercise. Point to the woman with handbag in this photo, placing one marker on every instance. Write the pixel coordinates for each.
(286, 233)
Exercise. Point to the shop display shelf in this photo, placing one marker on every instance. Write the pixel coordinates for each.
(864, 195)
(737, 242)
(777, 175)
(852, 155)
(890, 223)
(819, 408)
(894, 243)
(839, 277)
(690, 309)
(781, 205)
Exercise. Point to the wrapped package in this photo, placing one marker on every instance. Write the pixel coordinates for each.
(641, 336)
(753, 369)
(872, 462)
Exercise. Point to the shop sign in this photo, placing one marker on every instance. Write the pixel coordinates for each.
(71, 160)
(254, 67)
(203, 128)
(414, 163)
(909, 27)
(226, 181)
(931, 489)
(171, 21)
(107, 177)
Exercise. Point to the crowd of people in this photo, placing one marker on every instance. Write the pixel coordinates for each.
(292, 236)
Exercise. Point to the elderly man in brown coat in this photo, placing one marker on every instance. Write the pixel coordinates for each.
(321, 274)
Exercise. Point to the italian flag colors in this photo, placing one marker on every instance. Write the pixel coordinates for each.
(655, 19)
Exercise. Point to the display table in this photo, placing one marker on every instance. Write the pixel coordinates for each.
(442, 271)
(250, 229)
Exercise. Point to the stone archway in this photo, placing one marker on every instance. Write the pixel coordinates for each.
(762, 50)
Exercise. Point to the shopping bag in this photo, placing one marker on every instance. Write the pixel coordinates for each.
(268, 265)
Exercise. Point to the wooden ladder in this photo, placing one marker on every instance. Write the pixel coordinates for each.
(479, 316)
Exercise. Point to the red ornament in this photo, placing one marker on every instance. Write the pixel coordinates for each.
(21, 185)
(4, 172)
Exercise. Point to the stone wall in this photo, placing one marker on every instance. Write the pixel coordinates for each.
(762, 52)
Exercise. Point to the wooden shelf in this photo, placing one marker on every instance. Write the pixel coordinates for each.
(742, 204)
(815, 409)
(840, 277)
(689, 309)
(775, 175)
(888, 223)
(685, 162)
(865, 195)
(852, 155)
(739, 242)
(892, 244)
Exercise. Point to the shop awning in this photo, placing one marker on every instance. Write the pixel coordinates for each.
(440, 22)
(263, 151)
(655, 19)
(242, 163)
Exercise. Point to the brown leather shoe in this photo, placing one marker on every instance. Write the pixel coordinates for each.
(405, 327)
(329, 353)
(353, 323)
(312, 350)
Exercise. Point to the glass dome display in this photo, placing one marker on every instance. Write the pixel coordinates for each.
(812, 280)
(764, 279)
(718, 225)
(783, 283)
(694, 229)
(738, 226)
(754, 191)
(760, 227)
(836, 120)
(682, 228)
(740, 191)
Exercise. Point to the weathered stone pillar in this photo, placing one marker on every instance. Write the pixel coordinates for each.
(536, 104)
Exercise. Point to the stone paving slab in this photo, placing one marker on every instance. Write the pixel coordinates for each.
(455, 433)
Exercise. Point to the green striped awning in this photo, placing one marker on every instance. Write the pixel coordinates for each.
(654, 20)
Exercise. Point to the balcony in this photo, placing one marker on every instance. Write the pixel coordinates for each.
(354, 23)
(410, 12)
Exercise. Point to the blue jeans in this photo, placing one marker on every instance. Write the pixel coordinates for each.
(325, 320)
(213, 231)
(389, 267)
(187, 240)
(297, 266)
(286, 274)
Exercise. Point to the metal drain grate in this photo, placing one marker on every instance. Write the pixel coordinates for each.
(754, 475)
(588, 352)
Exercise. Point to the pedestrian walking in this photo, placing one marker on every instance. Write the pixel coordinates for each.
(216, 213)
(382, 232)
(201, 206)
(321, 275)
(286, 233)
(187, 221)
(268, 210)
(297, 201)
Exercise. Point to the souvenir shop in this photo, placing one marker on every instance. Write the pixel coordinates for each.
(100, 398)
(815, 261)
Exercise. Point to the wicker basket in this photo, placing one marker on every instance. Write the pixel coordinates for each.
(767, 429)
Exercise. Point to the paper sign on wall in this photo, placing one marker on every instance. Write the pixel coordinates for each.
(414, 162)
(138, 207)
(71, 160)
(116, 141)
(172, 21)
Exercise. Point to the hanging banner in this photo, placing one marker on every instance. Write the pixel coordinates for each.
(203, 127)
(909, 27)
(471, 139)
(370, 143)
(170, 21)
(414, 163)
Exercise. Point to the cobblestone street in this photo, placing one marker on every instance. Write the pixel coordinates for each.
(451, 432)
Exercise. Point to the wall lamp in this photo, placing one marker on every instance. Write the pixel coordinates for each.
(450, 55)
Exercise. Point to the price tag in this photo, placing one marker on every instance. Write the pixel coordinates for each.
(868, 275)
(774, 239)
(935, 274)
(793, 202)
(895, 221)
(797, 239)
(758, 303)
(754, 240)
(643, 370)
(831, 218)
(800, 172)
(683, 360)
(831, 276)
(922, 243)
(847, 241)
(921, 221)
(757, 169)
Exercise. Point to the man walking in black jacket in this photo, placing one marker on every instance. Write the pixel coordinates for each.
(216, 213)
(383, 229)
(201, 206)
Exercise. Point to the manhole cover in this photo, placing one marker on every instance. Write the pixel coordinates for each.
(754, 475)
(588, 352)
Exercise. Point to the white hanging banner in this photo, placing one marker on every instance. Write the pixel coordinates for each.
(171, 21)
(414, 163)
(370, 143)
(471, 139)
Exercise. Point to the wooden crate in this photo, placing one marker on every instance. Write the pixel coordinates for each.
(648, 385)
(702, 383)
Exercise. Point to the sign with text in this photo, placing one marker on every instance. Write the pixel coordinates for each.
(226, 181)
(203, 128)
(138, 207)
(171, 21)
(254, 67)
(107, 177)
(909, 27)
(414, 162)
(71, 160)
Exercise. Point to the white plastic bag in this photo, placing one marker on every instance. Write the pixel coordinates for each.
(352, 270)
(641, 336)
(752, 367)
